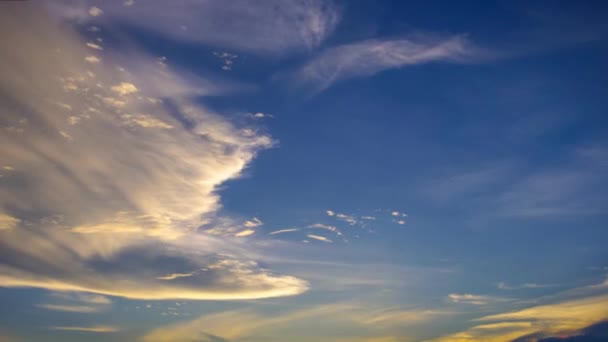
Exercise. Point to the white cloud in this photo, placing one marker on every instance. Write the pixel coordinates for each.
(347, 218)
(245, 232)
(114, 191)
(472, 299)
(92, 59)
(124, 88)
(330, 213)
(254, 222)
(326, 227)
(281, 231)
(95, 11)
(94, 46)
(369, 57)
(272, 27)
(318, 237)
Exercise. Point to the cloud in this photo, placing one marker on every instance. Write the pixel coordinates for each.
(326, 227)
(8, 222)
(472, 299)
(366, 58)
(543, 320)
(504, 286)
(330, 213)
(175, 276)
(255, 222)
(347, 218)
(70, 308)
(95, 11)
(281, 231)
(273, 27)
(318, 237)
(368, 323)
(245, 232)
(94, 328)
(119, 204)
(124, 88)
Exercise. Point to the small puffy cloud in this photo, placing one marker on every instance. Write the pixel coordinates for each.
(330, 213)
(369, 218)
(95, 11)
(124, 88)
(92, 59)
(401, 222)
(254, 222)
(261, 115)
(395, 213)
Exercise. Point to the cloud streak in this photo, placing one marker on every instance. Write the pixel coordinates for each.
(367, 58)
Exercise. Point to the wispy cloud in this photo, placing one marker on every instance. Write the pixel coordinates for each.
(472, 299)
(70, 308)
(270, 27)
(282, 231)
(319, 237)
(565, 316)
(94, 329)
(370, 57)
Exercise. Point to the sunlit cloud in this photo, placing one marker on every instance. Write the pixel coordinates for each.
(70, 308)
(318, 237)
(93, 329)
(129, 179)
(282, 231)
(565, 317)
(332, 229)
(8, 222)
(472, 299)
(245, 232)
(254, 222)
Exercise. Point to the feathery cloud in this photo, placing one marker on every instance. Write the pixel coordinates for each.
(362, 59)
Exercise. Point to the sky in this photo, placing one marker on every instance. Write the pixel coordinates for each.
(303, 170)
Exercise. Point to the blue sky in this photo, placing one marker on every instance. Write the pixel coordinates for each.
(303, 170)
